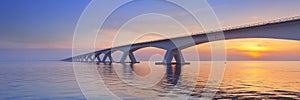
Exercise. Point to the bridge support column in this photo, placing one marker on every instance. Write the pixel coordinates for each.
(93, 57)
(176, 54)
(81, 58)
(99, 59)
(86, 58)
(76, 59)
(89, 58)
(96, 56)
(109, 57)
(131, 57)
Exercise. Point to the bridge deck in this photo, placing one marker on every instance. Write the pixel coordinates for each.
(252, 25)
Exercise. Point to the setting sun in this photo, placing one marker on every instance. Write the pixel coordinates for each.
(261, 48)
(254, 54)
(254, 50)
(253, 47)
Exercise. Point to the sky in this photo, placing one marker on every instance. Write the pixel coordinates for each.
(43, 29)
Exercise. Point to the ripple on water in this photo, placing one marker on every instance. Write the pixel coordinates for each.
(57, 81)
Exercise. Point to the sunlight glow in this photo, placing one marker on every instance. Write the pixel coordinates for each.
(254, 50)
(255, 54)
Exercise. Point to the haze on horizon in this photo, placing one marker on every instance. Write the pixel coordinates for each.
(43, 30)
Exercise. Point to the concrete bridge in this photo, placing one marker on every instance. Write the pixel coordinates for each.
(286, 28)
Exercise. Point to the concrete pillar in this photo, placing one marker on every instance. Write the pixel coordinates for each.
(86, 58)
(93, 57)
(73, 59)
(170, 54)
(76, 59)
(89, 58)
(109, 57)
(81, 59)
(131, 57)
(97, 56)
(98, 59)
(124, 56)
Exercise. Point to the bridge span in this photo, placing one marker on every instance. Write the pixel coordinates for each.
(286, 28)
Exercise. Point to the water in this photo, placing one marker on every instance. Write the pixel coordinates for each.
(56, 80)
(38, 80)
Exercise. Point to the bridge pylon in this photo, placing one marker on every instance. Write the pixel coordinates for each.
(131, 57)
(107, 55)
(176, 54)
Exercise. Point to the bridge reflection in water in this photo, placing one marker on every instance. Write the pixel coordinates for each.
(122, 80)
(171, 74)
(242, 80)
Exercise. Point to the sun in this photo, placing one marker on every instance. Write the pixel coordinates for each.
(254, 47)
(254, 54)
(262, 49)
(254, 50)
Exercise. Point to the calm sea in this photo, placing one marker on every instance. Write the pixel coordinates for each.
(46, 80)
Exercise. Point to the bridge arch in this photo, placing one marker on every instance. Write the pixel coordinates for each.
(117, 54)
(151, 50)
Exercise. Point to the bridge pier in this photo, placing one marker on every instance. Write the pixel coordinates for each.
(131, 57)
(97, 56)
(73, 59)
(93, 57)
(176, 54)
(109, 57)
(77, 59)
(86, 58)
(81, 59)
(89, 58)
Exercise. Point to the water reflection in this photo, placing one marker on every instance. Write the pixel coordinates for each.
(143, 80)
(55, 80)
(242, 80)
(173, 73)
(38, 81)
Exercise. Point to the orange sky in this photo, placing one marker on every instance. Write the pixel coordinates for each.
(258, 49)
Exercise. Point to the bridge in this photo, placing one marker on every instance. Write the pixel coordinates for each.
(285, 28)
